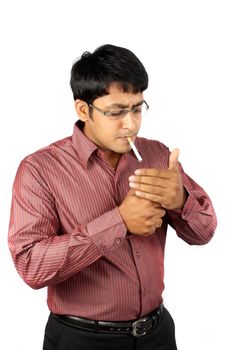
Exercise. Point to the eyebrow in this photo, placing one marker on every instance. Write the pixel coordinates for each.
(123, 106)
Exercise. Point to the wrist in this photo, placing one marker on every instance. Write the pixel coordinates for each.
(184, 198)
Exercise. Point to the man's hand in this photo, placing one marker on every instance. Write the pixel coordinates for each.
(163, 186)
(141, 217)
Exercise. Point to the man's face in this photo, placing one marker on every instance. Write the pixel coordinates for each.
(110, 134)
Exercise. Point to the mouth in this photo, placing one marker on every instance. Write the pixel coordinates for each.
(131, 137)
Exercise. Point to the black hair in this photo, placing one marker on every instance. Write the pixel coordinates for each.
(93, 73)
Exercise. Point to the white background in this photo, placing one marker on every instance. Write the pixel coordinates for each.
(186, 47)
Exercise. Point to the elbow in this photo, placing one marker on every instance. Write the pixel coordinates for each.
(204, 230)
(200, 240)
(31, 275)
(209, 231)
(198, 234)
(200, 237)
(36, 279)
(32, 283)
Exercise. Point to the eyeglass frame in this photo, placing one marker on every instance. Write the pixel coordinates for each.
(123, 111)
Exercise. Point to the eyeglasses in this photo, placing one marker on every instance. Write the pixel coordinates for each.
(138, 111)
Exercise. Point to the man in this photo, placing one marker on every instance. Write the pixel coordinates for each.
(89, 220)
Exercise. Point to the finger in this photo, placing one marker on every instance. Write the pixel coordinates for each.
(173, 159)
(158, 224)
(150, 233)
(150, 197)
(151, 180)
(162, 213)
(153, 172)
(156, 205)
(148, 188)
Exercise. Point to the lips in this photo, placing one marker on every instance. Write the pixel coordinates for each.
(132, 137)
(125, 139)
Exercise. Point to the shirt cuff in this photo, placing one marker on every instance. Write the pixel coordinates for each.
(107, 231)
(190, 208)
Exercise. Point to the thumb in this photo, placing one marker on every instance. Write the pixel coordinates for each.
(173, 159)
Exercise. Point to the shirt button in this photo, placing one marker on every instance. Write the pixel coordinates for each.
(118, 241)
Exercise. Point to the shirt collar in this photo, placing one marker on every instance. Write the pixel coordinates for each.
(82, 144)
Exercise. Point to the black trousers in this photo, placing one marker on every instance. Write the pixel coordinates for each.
(59, 336)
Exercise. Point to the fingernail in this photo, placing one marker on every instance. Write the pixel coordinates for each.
(132, 178)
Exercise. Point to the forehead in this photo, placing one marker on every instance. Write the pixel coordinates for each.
(117, 95)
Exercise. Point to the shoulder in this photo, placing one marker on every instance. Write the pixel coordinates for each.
(155, 144)
(49, 152)
(44, 159)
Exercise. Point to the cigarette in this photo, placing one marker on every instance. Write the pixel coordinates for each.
(139, 158)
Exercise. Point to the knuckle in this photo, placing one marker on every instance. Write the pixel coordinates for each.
(176, 188)
(166, 204)
(150, 226)
(146, 229)
(154, 190)
(163, 212)
(150, 222)
(159, 222)
(173, 197)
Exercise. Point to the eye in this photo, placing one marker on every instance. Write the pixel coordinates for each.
(138, 110)
(117, 113)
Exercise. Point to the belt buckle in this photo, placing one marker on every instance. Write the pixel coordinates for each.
(136, 332)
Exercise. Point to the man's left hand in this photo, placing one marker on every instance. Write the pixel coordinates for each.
(163, 186)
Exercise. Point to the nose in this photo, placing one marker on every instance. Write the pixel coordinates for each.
(128, 122)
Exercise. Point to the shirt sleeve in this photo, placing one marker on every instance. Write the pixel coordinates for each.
(43, 257)
(197, 221)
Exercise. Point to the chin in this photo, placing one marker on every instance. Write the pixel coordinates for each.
(122, 150)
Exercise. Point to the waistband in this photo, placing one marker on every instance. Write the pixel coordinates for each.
(137, 328)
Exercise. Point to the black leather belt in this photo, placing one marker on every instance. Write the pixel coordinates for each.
(137, 327)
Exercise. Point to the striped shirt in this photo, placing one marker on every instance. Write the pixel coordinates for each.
(66, 231)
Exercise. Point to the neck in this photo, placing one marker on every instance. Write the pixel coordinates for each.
(111, 157)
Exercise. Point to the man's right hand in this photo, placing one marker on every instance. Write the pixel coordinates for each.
(141, 216)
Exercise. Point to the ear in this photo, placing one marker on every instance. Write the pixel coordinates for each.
(82, 110)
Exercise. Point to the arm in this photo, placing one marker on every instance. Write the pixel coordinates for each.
(42, 255)
(196, 222)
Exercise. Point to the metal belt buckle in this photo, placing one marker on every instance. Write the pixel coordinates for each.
(141, 326)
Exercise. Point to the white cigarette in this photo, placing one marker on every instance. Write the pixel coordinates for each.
(139, 158)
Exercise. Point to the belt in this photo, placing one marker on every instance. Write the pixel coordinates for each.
(137, 327)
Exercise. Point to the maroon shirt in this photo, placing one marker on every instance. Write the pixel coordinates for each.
(66, 231)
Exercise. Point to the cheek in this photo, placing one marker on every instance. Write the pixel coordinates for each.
(110, 130)
(107, 131)
(139, 122)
